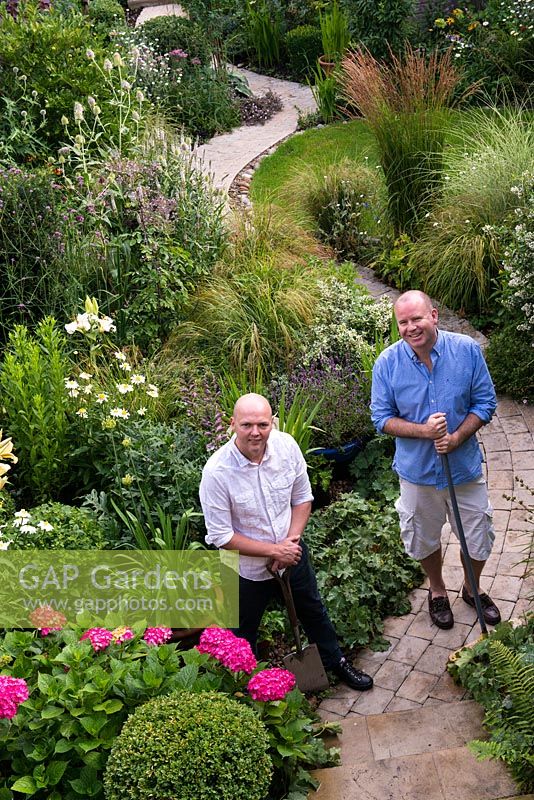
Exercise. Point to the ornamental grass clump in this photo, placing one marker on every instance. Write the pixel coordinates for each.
(458, 253)
(405, 103)
(203, 745)
(344, 201)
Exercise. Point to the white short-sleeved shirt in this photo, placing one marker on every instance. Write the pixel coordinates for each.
(239, 496)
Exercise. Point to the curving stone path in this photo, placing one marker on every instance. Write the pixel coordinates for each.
(405, 740)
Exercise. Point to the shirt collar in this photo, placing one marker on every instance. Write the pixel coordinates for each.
(243, 460)
(437, 348)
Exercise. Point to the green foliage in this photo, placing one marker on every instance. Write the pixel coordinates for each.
(163, 534)
(382, 26)
(510, 360)
(303, 46)
(344, 200)
(499, 672)
(49, 49)
(371, 471)
(106, 15)
(395, 264)
(325, 93)
(457, 254)
(146, 467)
(250, 317)
(158, 227)
(175, 33)
(335, 34)
(57, 745)
(37, 278)
(202, 744)
(264, 31)
(298, 419)
(362, 571)
(203, 103)
(65, 528)
(7, 506)
(34, 414)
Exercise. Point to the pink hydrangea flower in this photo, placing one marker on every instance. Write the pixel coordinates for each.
(157, 636)
(178, 53)
(234, 653)
(122, 634)
(13, 692)
(99, 638)
(46, 620)
(271, 684)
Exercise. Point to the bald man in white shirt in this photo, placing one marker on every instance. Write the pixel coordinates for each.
(256, 497)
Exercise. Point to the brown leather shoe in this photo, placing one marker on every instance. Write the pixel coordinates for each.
(490, 612)
(440, 611)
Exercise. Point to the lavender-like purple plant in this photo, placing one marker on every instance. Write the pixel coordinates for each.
(344, 391)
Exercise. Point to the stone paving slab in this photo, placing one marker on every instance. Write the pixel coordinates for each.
(416, 754)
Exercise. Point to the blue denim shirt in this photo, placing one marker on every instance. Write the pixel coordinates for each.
(459, 384)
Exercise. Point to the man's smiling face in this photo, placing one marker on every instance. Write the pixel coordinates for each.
(417, 322)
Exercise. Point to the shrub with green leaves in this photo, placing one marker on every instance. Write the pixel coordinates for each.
(140, 464)
(176, 33)
(81, 697)
(34, 413)
(54, 526)
(45, 53)
(382, 27)
(510, 358)
(345, 201)
(499, 673)
(347, 319)
(204, 745)
(106, 15)
(158, 227)
(303, 47)
(362, 571)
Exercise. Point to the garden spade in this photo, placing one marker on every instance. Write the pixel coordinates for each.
(305, 663)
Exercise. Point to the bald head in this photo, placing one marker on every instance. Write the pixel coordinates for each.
(252, 403)
(414, 295)
(252, 422)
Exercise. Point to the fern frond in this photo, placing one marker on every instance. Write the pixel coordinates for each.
(517, 679)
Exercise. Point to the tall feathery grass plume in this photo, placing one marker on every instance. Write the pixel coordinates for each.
(406, 103)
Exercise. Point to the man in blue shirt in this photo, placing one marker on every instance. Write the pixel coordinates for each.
(432, 391)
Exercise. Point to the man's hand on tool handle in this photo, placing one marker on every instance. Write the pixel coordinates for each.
(287, 554)
(444, 442)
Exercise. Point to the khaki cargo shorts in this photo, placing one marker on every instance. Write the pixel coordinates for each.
(423, 510)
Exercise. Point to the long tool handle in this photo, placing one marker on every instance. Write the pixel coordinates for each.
(287, 594)
(463, 545)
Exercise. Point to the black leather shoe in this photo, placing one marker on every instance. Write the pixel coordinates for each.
(440, 611)
(353, 677)
(491, 613)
